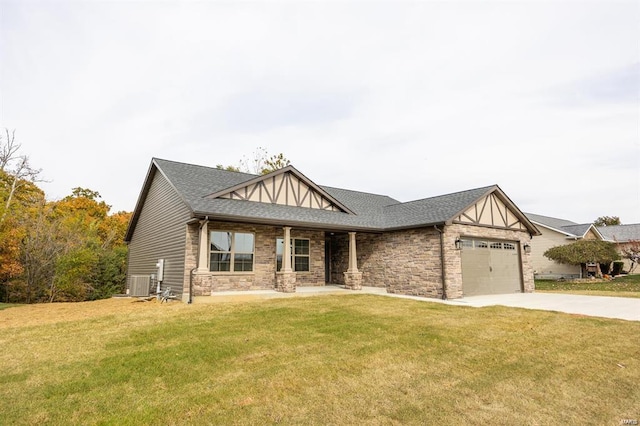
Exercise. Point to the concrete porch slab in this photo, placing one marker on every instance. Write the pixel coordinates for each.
(302, 291)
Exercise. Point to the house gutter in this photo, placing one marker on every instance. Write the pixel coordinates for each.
(444, 283)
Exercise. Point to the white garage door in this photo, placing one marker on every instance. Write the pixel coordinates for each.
(490, 267)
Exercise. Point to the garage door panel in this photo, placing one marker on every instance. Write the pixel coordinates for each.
(476, 274)
(490, 268)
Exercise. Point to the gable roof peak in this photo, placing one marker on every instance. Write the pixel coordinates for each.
(325, 199)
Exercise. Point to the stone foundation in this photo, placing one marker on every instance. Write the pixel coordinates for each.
(286, 282)
(353, 280)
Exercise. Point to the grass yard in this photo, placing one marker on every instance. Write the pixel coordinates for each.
(6, 305)
(353, 359)
(627, 286)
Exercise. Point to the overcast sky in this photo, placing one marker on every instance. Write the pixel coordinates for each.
(407, 99)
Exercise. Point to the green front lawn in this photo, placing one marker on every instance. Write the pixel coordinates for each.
(357, 359)
(626, 286)
(7, 305)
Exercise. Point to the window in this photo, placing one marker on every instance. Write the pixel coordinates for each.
(299, 254)
(496, 246)
(508, 246)
(231, 251)
(481, 244)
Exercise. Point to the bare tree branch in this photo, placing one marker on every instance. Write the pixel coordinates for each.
(17, 168)
(8, 148)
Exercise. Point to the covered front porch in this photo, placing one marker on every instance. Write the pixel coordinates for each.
(231, 257)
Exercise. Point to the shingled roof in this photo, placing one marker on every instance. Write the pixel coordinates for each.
(621, 233)
(567, 227)
(366, 211)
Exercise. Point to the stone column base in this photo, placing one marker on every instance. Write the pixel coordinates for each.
(286, 282)
(353, 280)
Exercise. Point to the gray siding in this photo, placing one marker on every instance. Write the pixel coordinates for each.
(160, 233)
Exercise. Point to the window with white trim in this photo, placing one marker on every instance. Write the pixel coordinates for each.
(231, 251)
(300, 254)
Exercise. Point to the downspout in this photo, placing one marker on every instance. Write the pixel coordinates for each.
(206, 219)
(190, 300)
(444, 283)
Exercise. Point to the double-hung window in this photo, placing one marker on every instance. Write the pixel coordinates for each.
(231, 251)
(299, 254)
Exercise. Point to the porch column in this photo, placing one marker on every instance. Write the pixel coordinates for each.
(353, 254)
(203, 248)
(285, 277)
(286, 255)
(353, 277)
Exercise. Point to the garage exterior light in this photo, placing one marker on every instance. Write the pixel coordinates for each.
(527, 248)
(458, 244)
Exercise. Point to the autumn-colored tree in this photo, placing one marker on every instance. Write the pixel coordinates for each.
(65, 250)
(582, 252)
(70, 250)
(15, 202)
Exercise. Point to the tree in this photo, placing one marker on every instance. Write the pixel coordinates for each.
(228, 168)
(631, 252)
(16, 169)
(607, 221)
(582, 252)
(262, 163)
(67, 250)
(71, 250)
(42, 245)
(21, 203)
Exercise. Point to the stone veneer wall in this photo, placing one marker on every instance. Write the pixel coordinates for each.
(315, 276)
(263, 276)
(408, 262)
(405, 262)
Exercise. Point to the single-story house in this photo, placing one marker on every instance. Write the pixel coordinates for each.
(557, 232)
(202, 230)
(625, 237)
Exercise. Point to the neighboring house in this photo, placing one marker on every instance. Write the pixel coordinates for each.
(212, 230)
(624, 236)
(556, 232)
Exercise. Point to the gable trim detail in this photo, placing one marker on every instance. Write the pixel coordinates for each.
(495, 210)
(286, 186)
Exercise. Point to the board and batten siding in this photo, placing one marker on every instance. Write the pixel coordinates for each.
(160, 234)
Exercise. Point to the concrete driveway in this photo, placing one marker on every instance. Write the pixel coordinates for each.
(595, 306)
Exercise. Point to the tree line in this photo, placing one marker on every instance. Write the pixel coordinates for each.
(51, 251)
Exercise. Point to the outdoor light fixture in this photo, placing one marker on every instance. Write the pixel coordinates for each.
(458, 244)
(527, 248)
